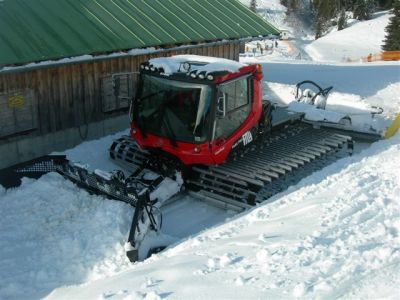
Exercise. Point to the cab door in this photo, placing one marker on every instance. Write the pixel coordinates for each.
(233, 108)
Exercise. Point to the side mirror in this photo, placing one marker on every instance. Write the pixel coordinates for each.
(221, 106)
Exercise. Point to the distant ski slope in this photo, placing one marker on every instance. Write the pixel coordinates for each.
(357, 41)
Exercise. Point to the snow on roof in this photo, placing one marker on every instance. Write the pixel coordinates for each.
(118, 54)
(198, 64)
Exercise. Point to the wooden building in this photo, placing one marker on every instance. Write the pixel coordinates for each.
(68, 68)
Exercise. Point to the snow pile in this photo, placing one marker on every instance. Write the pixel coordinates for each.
(198, 63)
(54, 233)
(330, 237)
(352, 43)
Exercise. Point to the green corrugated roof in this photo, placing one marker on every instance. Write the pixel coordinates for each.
(37, 30)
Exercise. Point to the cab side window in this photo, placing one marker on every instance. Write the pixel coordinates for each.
(237, 106)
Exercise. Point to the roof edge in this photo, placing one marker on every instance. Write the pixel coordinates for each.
(132, 52)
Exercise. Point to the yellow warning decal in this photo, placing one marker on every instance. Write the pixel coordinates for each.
(15, 101)
(393, 127)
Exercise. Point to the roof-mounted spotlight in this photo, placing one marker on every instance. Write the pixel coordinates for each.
(147, 68)
(193, 75)
(152, 68)
(210, 77)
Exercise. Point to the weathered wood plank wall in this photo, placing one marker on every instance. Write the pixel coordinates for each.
(70, 96)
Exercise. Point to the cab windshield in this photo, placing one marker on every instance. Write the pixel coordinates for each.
(176, 110)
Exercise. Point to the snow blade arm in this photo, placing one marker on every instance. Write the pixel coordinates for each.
(142, 202)
(134, 190)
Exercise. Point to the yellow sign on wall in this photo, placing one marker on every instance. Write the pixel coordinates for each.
(16, 101)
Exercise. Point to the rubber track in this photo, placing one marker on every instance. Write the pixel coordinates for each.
(270, 166)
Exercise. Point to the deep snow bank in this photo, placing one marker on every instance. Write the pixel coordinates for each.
(331, 236)
(54, 233)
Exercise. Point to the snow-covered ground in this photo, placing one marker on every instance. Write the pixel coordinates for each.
(272, 10)
(336, 234)
(275, 13)
(357, 41)
(53, 234)
(333, 235)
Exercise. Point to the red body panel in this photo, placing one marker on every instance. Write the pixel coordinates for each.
(217, 151)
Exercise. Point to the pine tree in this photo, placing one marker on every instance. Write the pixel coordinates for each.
(324, 10)
(342, 22)
(294, 5)
(285, 3)
(371, 7)
(392, 40)
(253, 5)
(385, 4)
(360, 10)
(319, 29)
(363, 9)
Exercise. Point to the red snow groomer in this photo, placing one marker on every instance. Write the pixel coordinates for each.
(201, 123)
(205, 119)
(198, 110)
